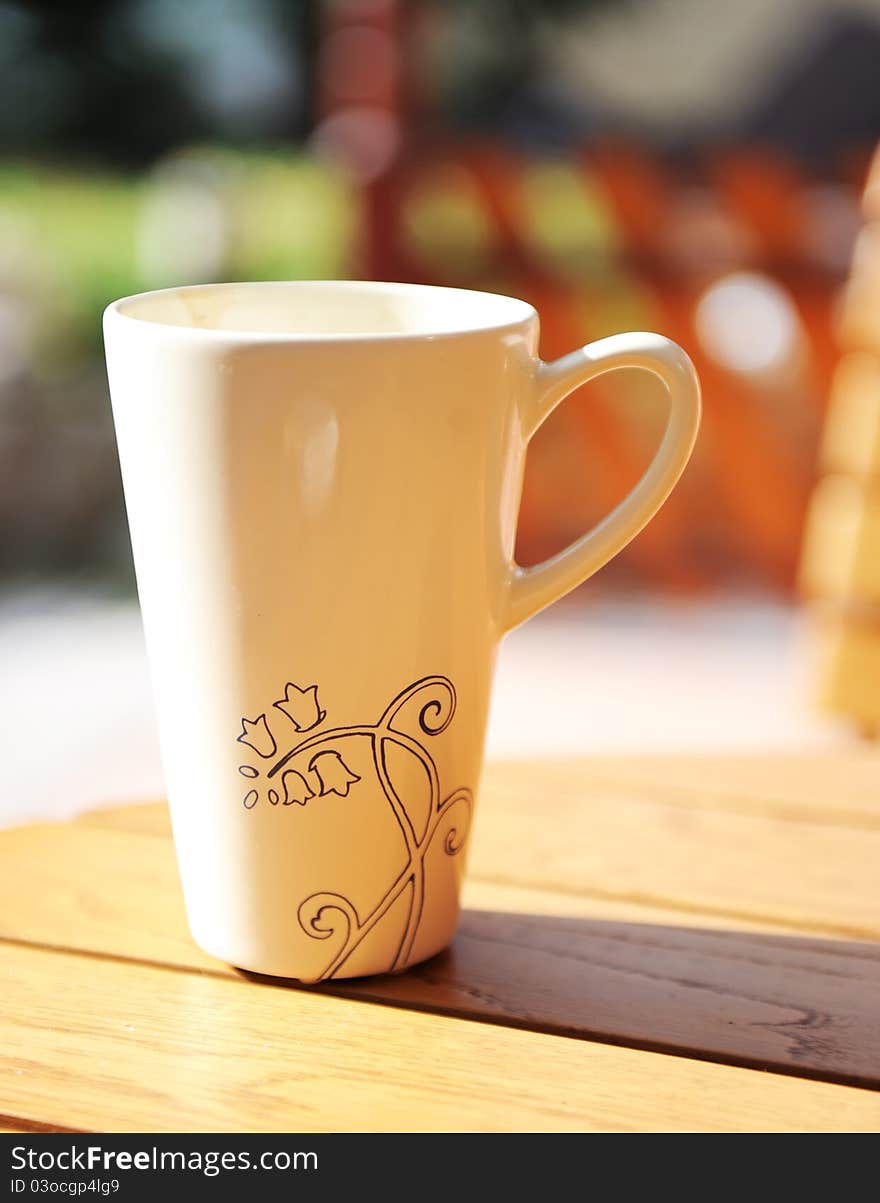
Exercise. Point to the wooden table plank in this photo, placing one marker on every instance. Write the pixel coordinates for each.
(552, 826)
(836, 787)
(798, 1006)
(149, 818)
(112, 1046)
(15, 1125)
(117, 892)
(840, 787)
(551, 962)
(542, 825)
(106, 891)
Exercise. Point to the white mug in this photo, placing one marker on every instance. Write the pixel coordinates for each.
(322, 482)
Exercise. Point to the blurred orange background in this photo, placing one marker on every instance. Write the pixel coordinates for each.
(508, 146)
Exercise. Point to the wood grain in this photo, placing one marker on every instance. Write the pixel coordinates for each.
(718, 908)
(102, 890)
(738, 856)
(837, 788)
(575, 966)
(799, 1006)
(115, 892)
(117, 1047)
(149, 818)
(543, 825)
(15, 1125)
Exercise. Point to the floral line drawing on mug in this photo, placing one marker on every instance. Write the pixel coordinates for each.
(322, 772)
(302, 709)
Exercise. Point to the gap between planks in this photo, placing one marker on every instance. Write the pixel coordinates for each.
(151, 819)
(632, 975)
(18, 1125)
(131, 1048)
(708, 860)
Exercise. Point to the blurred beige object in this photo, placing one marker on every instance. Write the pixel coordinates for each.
(840, 562)
(849, 668)
(851, 442)
(859, 327)
(184, 229)
(841, 555)
(871, 196)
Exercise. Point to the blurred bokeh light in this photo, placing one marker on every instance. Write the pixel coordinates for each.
(619, 165)
(695, 169)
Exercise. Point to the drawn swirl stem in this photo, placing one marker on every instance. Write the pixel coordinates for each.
(433, 718)
(414, 860)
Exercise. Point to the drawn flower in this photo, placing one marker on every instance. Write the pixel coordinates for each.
(296, 788)
(301, 706)
(256, 734)
(333, 773)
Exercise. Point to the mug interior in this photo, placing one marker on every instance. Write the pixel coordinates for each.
(327, 308)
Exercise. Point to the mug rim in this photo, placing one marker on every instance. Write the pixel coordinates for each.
(517, 312)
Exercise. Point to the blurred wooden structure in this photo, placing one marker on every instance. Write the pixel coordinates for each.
(738, 255)
(738, 258)
(840, 567)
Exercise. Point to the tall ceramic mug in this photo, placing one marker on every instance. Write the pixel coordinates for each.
(322, 483)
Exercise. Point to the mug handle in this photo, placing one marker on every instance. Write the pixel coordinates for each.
(531, 589)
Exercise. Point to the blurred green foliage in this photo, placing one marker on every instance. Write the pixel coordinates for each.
(71, 242)
(76, 249)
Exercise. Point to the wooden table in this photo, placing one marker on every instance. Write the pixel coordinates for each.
(647, 945)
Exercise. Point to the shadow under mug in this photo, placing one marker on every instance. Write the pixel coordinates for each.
(322, 482)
